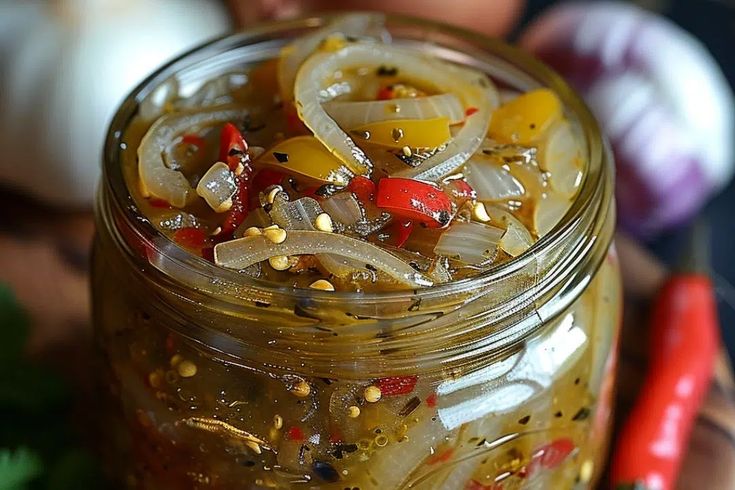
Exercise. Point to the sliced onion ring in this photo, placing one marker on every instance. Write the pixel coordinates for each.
(156, 178)
(350, 115)
(473, 89)
(471, 243)
(293, 55)
(243, 252)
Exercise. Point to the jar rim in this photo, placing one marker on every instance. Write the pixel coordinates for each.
(594, 179)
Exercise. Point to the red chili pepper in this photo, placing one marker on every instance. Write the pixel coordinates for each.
(193, 139)
(442, 457)
(159, 203)
(399, 232)
(191, 238)
(363, 188)
(397, 385)
(414, 200)
(234, 151)
(431, 400)
(470, 111)
(685, 340)
(548, 456)
(336, 436)
(295, 434)
(385, 93)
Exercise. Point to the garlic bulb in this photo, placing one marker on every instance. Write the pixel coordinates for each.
(65, 67)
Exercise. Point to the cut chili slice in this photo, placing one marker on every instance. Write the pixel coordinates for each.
(397, 385)
(414, 200)
(553, 454)
(295, 434)
(233, 150)
(442, 457)
(399, 232)
(191, 238)
(363, 188)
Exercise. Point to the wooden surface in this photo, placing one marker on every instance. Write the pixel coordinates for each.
(43, 256)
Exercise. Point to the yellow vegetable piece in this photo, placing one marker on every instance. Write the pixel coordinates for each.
(414, 133)
(306, 156)
(525, 118)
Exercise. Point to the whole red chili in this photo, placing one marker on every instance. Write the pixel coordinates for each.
(685, 340)
(414, 200)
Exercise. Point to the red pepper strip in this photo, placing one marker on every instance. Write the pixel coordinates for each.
(431, 400)
(386, 93)
(399, 232)
(233, 150)
(470, 111)
(192, 238)
(159, 203)
(263, 179)
(685, 341)
(548, 456)
(442, 457)
(414, 200)
(397, 385)
(193, 139)
(363, 188)
(295, 434)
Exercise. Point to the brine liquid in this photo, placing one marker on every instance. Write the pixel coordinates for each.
(536, 419)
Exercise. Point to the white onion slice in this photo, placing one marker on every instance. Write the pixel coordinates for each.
(244, 252)
(549, 211)
(562, 157)
(344, 208)
(156, 178)
(300, 215)
(217, 186)
(471, 243)
(492, 182)
(517, 239)
(350, 115)
(293, 55)
(477, 92)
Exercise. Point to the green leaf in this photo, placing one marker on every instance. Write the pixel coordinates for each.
(13, 327)
(18, 468)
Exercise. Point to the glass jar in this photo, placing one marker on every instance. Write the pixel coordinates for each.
(220, 381)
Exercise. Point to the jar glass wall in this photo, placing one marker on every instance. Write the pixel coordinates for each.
(219, 381)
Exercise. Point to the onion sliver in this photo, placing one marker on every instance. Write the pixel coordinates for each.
(350, 115)
(474, 90)
(471, 243)
(562, 157)
(300, 215)
(293, 55)
(244, 252)
(492, 182)
(156, 178)
(549, 211)
(517, 239)
(344, 208)
(217, 187)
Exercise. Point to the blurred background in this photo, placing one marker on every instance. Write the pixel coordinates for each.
(657, 73)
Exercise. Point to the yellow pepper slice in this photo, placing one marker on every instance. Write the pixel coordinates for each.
(414, 133)
(525, 118)
(306, 156)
